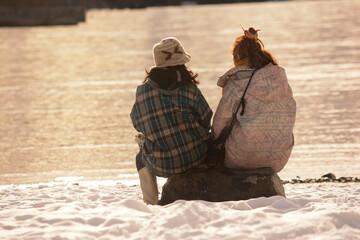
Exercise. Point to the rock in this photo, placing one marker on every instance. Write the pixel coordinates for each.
(218, 185)
(329, 176)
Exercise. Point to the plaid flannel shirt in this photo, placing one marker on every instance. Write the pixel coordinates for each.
(176, 127)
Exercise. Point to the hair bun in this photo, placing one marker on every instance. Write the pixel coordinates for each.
(251, 33)
(252, 30)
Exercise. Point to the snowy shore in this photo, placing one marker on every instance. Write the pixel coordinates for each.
(113, 210)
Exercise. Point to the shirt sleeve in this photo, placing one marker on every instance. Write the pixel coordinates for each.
(224, 112)
(135, 112)
(204, 111)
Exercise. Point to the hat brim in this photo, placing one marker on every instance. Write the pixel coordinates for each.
(181, 61)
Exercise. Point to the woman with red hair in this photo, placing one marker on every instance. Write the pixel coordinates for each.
(256, 93)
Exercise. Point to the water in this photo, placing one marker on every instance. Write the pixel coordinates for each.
(66, 91)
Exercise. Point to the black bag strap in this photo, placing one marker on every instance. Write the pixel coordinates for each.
(242, 101)
(226, 131)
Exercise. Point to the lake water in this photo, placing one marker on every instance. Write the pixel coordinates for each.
(66, 91)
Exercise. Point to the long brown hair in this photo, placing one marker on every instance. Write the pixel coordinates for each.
(187, 75)
(253, 49)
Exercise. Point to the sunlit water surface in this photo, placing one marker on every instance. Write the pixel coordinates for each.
(66, 91)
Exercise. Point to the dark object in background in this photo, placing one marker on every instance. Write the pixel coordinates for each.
(41, 16)
(41, 12)
(66, 12)
(330, 176)
(88, 4)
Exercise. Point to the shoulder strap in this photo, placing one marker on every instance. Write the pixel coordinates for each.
(226, 131)
(242, 101)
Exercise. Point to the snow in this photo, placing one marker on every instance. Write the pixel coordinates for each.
(114, 210)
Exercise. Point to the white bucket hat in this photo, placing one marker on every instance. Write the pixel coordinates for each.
(169, 52)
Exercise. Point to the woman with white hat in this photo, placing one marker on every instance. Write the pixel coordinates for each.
(172, 116)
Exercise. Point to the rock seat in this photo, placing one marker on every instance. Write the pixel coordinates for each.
(221, 184)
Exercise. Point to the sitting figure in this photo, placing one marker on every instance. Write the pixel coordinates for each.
(172, 116)
(262, 135)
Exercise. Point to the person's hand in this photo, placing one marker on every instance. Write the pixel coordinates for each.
(139, 139)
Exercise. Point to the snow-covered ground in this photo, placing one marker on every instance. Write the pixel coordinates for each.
(113, 210)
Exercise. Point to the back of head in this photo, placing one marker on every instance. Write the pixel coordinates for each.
(174, 76)
(249, 46)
